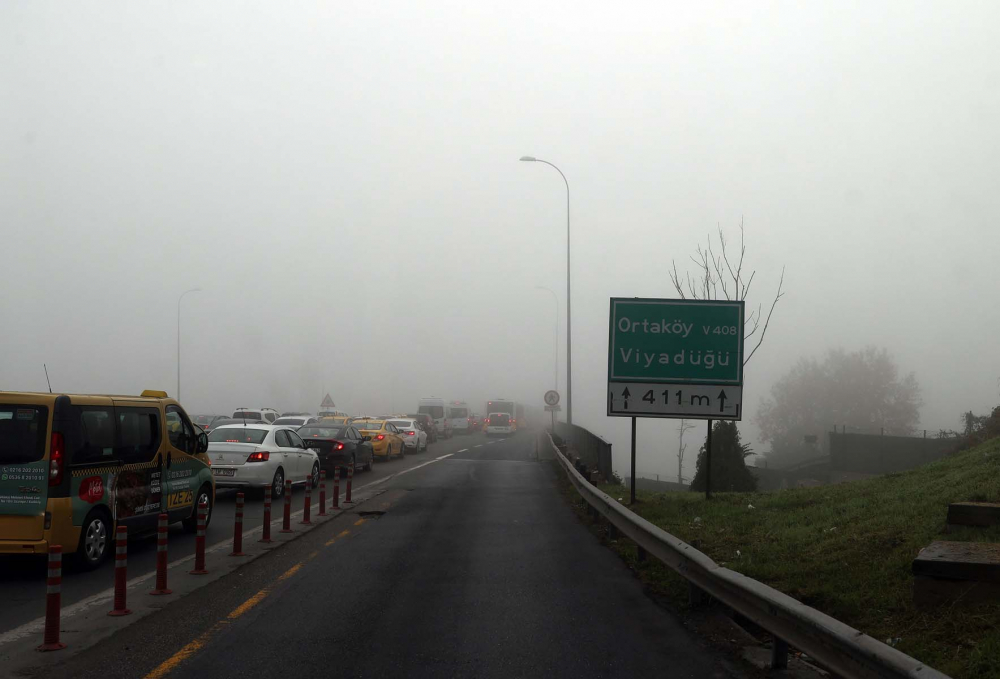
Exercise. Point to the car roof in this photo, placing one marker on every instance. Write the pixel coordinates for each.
(268, 427)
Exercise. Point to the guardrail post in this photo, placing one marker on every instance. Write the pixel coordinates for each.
(695, 596)
(53, 601)
(612, 531)
(266, 525)
(779, 654)
(350, 480)
(336, 487)
(640, 553)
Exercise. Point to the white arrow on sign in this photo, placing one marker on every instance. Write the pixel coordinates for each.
(692, 401)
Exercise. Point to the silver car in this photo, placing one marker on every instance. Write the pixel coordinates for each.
(256, 456)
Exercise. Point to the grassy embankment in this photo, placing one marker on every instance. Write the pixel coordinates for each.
(846, 550)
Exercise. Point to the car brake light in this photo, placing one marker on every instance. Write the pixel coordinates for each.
(259, 456)
(57, 459)
(379, 437)
(487, 420)
(338, 445)
(410, 433)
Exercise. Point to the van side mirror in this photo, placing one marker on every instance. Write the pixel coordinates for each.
(202, 442)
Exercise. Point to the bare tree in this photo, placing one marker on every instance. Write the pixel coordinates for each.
(681, 447)
(719, 276)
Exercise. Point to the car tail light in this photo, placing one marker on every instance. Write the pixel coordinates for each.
(337, 445)
(259, 456)
(380, 437)
(487, 420)
(410, 433)
(57, 459)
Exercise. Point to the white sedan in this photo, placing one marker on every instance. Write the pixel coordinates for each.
(255, 456)
(414, 438)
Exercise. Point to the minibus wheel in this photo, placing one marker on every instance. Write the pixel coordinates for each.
(95, 540)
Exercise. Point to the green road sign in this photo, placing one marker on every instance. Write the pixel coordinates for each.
(675, 341)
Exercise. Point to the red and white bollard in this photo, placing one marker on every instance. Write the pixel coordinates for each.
(350, 479)
(53, 601)
(308, 502)
(322, 493)
(199, 541)
(336, 487)
(238, 528)
(266, 536)
(161, 557)
(286, 520)
(121, 571)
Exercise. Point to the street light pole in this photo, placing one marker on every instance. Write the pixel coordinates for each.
(555, 361)
(179, 338)
(569, 332)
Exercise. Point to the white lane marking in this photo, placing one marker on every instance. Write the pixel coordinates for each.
(478, 445)
(463, 450)
(490, 443)
(447, 456)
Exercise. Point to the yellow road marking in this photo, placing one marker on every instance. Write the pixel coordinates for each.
(290, 572)
(249, 603)
(189, 649)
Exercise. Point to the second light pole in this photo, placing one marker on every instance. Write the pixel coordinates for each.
(569, 334)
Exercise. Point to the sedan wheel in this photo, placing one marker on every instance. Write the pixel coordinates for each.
(278, 483)
(315, 476)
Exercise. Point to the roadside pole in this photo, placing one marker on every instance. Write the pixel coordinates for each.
(632, 500)
(708, 463)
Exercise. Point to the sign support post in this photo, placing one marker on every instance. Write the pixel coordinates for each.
(632, 498)
(708, 462)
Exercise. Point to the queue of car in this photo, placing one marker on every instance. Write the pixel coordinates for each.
(123, 460)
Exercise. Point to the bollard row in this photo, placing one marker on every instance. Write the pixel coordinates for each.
(53, 596)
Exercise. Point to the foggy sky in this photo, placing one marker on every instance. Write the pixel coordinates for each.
(342, 181)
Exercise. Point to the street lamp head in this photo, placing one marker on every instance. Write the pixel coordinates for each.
(528, 159)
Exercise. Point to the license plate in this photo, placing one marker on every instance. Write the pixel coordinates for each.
(224, 472)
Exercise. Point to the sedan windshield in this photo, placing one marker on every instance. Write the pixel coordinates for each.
(370, 425)
(402, 424)
(321, 432)
(237, 435)
(247, 415)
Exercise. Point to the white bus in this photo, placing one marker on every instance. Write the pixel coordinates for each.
(434, 406)
(458, 416)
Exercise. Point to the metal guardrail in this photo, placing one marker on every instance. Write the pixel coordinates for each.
(592, 449)
(837, 647)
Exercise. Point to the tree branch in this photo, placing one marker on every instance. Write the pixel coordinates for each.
(778, 296)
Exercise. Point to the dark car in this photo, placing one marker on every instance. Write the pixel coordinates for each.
(338, 445)
(426, 423)
(209, 422)
(228, 420)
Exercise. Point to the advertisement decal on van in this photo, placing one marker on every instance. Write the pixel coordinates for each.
(22, 488)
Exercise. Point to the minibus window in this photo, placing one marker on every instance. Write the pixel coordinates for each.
(22, 433)
(139, 434)
(97, 436)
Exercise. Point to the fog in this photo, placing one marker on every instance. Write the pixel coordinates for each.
(342, 182)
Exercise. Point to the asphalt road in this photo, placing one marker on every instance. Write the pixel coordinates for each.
(469, 566)
(22, 579)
